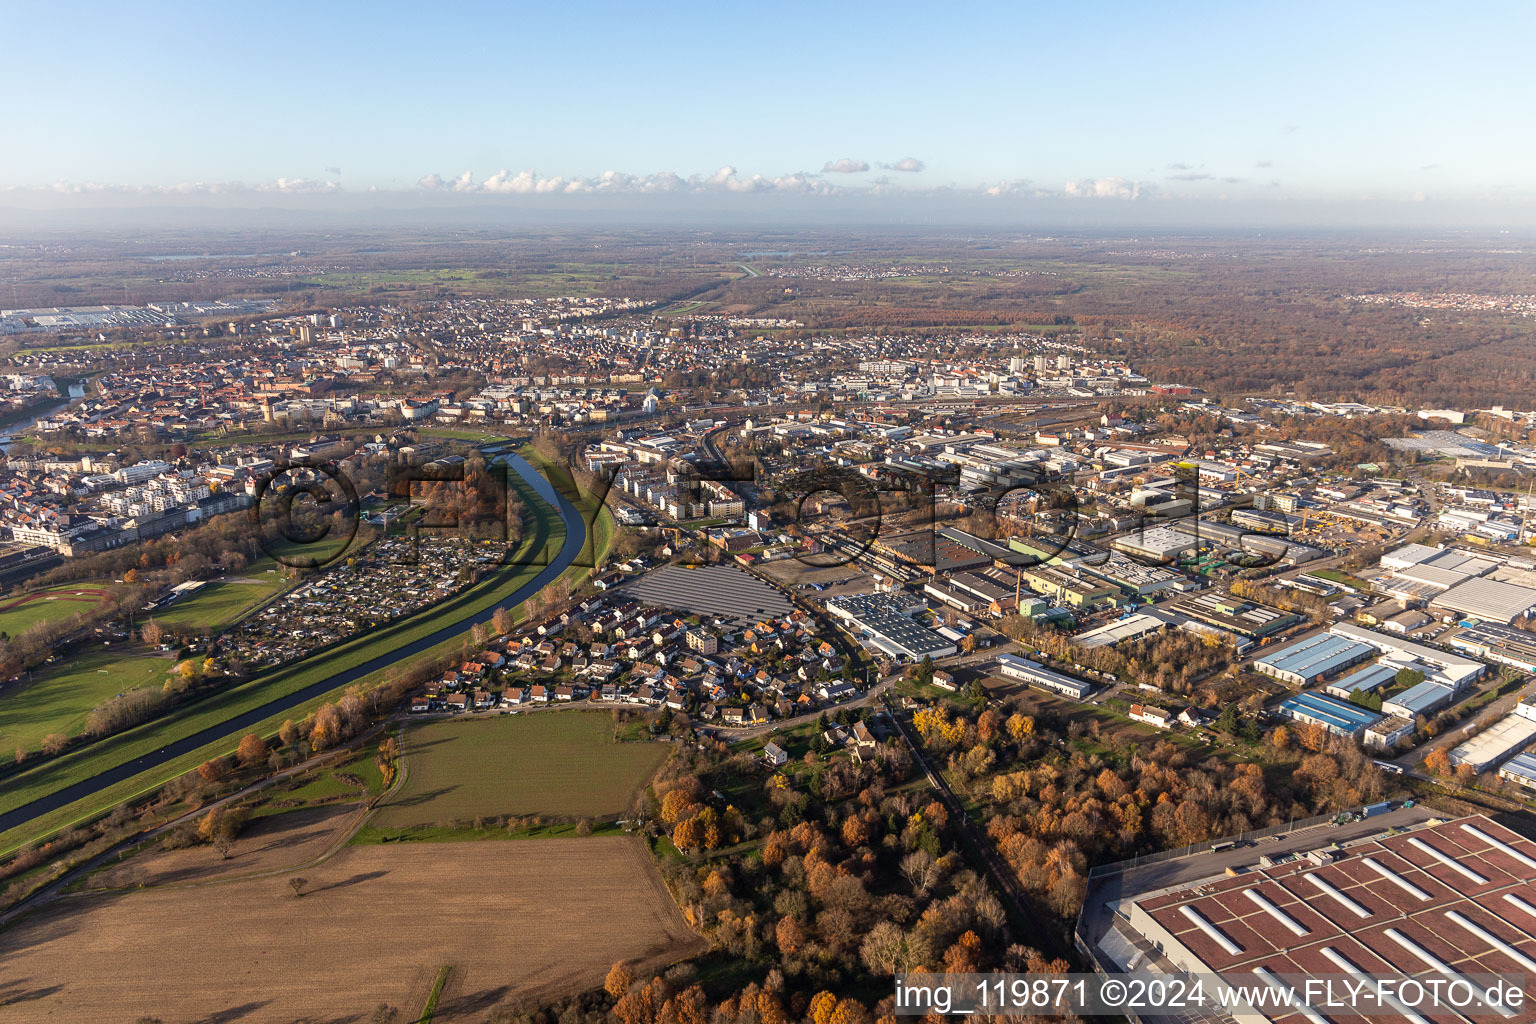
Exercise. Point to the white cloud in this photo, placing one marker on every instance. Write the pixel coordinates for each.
(299, 185)
(1104, 188)
(725, 179)
(847, 165)
(910, 164)
(1016, 187)
(437, 183)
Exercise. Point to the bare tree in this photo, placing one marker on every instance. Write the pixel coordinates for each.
(920, 869)
(297, 884)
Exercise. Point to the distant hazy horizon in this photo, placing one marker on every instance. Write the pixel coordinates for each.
(87, 214)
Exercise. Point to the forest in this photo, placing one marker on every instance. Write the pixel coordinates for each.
(1058, 799)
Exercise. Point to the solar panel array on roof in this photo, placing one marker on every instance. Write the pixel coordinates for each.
(721, 590)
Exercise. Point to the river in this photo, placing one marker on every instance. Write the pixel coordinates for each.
(575, 539)
(8, 433)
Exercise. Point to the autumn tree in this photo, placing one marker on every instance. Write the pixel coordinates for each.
(252, 750)
(620, 977)
(388, 760)
(823, 1006)
(214, 770)
(789, 936)
(327, 728)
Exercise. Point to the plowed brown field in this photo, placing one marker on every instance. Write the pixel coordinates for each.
(376, 924)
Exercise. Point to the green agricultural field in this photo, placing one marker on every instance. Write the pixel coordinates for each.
(554, 763)
(544, 531)
(60, 696)
(266, 686)
(214, 606)
(20, 612)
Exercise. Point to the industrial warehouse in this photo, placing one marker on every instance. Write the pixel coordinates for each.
(1012, 666)
(1449, 897)
(1339, 717)
(1480, 586)
(1307, 661)
(1512, 733)
(884, 622)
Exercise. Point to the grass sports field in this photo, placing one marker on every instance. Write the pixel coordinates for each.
(376, 924)
(17, 614)
(60, 696)
(555, 763)
(216, 605)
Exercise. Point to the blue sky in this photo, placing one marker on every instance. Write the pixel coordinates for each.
(1391, 101)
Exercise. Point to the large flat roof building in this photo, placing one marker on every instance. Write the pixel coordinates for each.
(1156, 544)
(1521, 770)
(1237, 615)
(1487, 600)
(1504, 644)
(1068, 587)
(1508, 735)
(1306, 661)
(1420, 699)
(1339, 717)
(1132, 627)
(1457, 896)
(882, 620)
(1446, 668)
(1012, 666)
